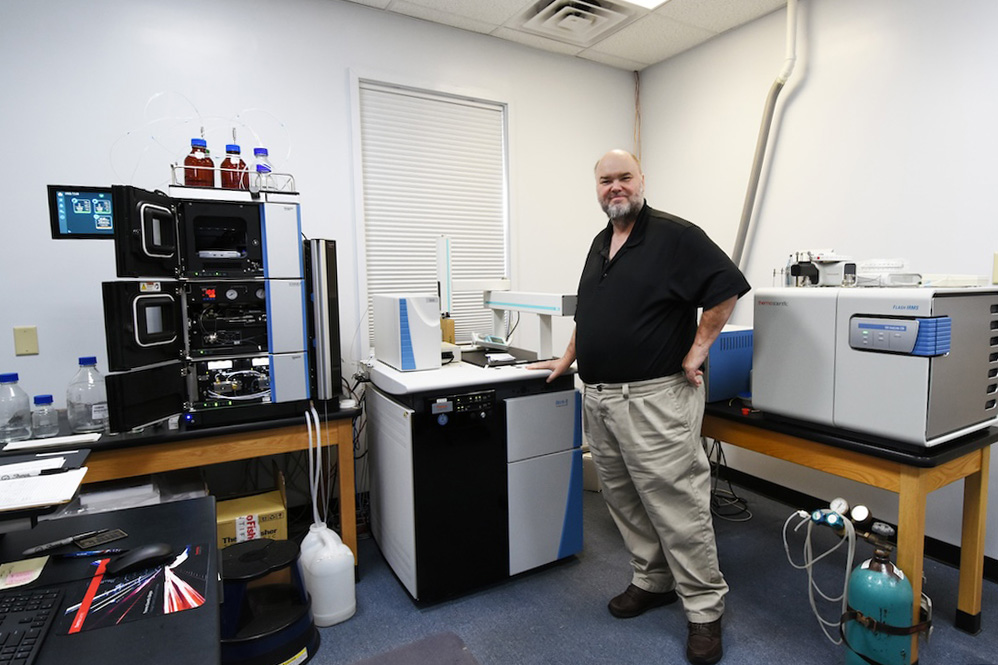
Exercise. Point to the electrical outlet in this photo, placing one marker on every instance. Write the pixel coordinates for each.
(25, 340)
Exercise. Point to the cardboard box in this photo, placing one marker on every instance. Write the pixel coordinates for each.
(251, 517)
(447, 328)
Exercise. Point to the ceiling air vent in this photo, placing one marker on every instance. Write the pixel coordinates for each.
(576, 22)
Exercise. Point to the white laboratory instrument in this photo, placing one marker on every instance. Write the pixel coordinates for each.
(498, 297)
(914, 365)
(407, 331)
(545, 305)
(821, 267)
(476, 474)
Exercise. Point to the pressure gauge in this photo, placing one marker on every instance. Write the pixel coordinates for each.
(860, 513)
(839, 505)
(232, 294)
(261, 293)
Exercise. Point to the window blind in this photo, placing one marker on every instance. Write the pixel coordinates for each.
(433, 165)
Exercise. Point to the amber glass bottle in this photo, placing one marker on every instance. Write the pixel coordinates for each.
(199, 170)
(234, 172)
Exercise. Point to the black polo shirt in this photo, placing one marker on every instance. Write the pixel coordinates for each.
(636, 314)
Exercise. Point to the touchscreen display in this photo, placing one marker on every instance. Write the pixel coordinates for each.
(80, 212)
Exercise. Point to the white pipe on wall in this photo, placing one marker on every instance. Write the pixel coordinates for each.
(791, 59)
(763, 140)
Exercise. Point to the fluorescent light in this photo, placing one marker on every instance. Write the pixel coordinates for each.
(647, 4)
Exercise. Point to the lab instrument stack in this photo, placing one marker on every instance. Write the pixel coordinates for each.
(218, 320)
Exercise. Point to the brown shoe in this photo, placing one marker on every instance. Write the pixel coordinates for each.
(703, 646)
(635, 601)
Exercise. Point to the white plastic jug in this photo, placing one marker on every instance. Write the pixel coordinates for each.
(328, 569)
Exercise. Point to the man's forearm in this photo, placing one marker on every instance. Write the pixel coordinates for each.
(712, 321)
(558, 366)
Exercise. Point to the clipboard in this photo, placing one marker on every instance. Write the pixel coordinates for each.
(39, 482)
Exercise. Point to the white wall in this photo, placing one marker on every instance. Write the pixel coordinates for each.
(110, 92)
(884, 147)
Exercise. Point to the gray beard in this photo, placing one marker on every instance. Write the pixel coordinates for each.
(616, 211)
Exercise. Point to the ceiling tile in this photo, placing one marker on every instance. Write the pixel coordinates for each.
(717, 15)
(380, 4)
(673, 28)
(528, 39)
(496, 12)
(437, 16)
(614, 61)
(652, 39)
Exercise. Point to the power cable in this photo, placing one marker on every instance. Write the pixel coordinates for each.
(725, 504)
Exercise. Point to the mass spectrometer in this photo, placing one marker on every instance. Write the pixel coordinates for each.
(915, 365)
(476, 474)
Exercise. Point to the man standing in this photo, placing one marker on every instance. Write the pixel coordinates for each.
(640, 349)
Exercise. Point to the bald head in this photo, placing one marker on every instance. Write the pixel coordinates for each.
(620, 185)
(619, 154)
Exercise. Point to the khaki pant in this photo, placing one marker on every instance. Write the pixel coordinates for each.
(645, 442)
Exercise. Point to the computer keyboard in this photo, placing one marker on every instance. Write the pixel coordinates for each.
(25, 619)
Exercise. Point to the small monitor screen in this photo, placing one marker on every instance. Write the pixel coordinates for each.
(80, 212)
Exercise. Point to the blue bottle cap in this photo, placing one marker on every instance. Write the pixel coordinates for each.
(41, 400)
(88, 360)
(199, 143)
(260, 152)
(231, 147)
(8, 378)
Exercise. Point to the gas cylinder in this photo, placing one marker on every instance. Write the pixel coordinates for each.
(328, 569)
(880, 591)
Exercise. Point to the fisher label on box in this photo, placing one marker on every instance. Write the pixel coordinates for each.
(247, 528)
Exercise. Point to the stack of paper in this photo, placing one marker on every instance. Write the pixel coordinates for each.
(40, 491)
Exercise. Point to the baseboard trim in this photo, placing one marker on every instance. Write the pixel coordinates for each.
(934, 549)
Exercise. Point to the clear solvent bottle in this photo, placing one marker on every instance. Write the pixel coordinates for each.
(262, 170)
(15, 410)
(86, 399)
(44, 417)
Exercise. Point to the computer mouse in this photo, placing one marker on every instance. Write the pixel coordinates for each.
(140, 558)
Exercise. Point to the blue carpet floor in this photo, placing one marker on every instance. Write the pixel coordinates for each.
(558, 616)
(439, 649)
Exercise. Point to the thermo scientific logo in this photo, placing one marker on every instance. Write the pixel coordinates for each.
(772, 303)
